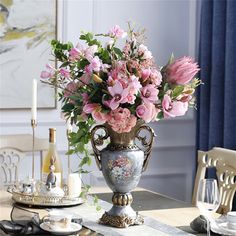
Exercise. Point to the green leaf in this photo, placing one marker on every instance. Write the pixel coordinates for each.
(98, 208)
(70, 152)
(68, 107)
(87, 37)
(177, 91)
(166, 87)
(118, 52)
(64, 64)
(160, 115)
(95, 200)
(171, 59)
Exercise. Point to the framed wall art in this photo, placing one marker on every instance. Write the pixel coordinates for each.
(26, 29)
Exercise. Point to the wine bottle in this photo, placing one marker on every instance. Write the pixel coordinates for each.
(52, 157)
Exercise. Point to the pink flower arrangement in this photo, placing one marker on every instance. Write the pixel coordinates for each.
(121, 120)
(104, 83)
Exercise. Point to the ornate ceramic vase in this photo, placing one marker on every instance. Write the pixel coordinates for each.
(122, 163)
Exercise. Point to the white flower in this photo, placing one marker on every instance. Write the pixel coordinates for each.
(144, 52)
(117, 171)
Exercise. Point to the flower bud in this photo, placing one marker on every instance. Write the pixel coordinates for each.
(97, 79)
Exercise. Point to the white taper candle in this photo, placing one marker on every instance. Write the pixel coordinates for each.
(34, 100)
(74, 184)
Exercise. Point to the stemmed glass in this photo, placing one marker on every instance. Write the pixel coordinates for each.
(208, 199)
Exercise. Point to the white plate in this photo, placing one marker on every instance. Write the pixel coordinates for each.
(224, 226)
(74, 227)
(219, 226)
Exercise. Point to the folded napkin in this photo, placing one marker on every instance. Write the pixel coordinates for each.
(25, 222)
(199, 224)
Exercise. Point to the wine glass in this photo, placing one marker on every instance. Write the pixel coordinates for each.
(208, 199)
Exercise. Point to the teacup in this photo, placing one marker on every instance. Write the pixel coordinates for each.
(58, 220)
(231, 219)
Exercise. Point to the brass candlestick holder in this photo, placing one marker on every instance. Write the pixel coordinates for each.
(33, 125)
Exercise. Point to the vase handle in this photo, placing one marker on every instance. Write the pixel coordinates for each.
(98, 141)
(146, 142)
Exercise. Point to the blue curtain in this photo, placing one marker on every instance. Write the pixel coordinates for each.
(216, 116)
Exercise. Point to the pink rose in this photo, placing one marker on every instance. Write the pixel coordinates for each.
(144, 52)
(121, 120)
(155, 77)
(147, 112)
(181, 71)
(173, 108)
(117, 32)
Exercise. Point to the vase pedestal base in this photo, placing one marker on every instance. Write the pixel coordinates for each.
(122, 221)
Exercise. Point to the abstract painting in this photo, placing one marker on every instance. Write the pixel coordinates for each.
(26, 29)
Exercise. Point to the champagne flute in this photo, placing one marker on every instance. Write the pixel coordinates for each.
(208, 199)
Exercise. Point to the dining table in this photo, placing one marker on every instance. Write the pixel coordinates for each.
(162, 215)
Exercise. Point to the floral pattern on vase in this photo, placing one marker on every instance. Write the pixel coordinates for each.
(121, 168)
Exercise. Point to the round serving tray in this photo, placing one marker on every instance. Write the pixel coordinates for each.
(44, 201)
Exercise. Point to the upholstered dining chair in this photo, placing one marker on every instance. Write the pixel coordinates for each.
(13, 149)
(224, 161)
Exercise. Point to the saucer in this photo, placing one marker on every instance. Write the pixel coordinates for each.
(224, 226)
(73, 228)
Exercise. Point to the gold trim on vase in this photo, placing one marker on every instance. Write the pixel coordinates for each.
(120, 221)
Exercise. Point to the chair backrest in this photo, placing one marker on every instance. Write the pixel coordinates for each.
(224, 160)
(12, 150)
(9, 162)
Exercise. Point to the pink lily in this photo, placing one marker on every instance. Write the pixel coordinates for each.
(173, 108)
(149, 93)
(95, 110)
(119, 95)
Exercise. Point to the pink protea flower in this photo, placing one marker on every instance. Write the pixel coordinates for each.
(70, 89)
(64, 73)
(149, 93)
(119, 95)
(173, 108)
(48, 73)
(181, 71)
(147, 112)
(117, 32)
(121, 120)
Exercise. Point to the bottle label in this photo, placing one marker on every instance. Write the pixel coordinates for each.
(58, 178)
